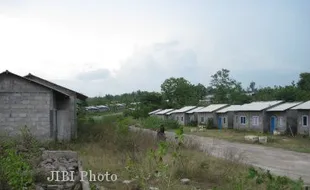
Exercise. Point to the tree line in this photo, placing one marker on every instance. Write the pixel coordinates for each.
(179, 92)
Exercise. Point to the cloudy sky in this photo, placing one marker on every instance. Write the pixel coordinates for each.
(100, 47)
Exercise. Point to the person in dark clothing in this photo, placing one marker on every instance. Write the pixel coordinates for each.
(161, 134)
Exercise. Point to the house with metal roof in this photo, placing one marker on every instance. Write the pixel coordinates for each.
(225, 116)
(208, 114)
(252, 116)
(193, 115)
(303, 114)
(163, 114)
(47, 109)
(180, 115)
(155, 111)
(282, 118)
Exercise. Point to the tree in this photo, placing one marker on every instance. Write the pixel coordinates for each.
(226, 89)
(180, 92)
(304, 82)
(252, 87)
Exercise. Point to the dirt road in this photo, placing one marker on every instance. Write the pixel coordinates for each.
(278, 161)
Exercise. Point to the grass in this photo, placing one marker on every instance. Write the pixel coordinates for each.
(298, 143)
(107, 145)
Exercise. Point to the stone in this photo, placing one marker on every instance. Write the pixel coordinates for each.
(194, 130)
(127, 182)
(251, 138)
(42, 149)
(153, 188)
(38, 187)
(262, 139)
(185, 181)
(202, 129)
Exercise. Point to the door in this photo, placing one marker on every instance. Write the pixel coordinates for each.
(220, 123)
(272, 124)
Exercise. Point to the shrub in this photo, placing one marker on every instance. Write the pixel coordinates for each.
(193, 123)
(210, 124)
(154, 123)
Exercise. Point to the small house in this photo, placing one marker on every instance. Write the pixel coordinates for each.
(303, 114)
(47, 109)
(193, 115)
(163, 114)
(207, 114)
(225, 116)
(180, 115)
(252, 116)
(283, 118)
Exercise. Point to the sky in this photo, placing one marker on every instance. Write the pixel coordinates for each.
(112, 47)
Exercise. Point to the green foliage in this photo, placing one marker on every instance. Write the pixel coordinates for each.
(274, 182)
(210, 124)
(304, 82)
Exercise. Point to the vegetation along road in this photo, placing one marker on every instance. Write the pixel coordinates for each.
(278, 161)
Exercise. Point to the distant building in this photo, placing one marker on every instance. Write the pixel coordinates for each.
(180, 115)
(303, 114)
(225, 116)
(209, 113)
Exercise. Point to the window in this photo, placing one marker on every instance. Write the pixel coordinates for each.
(224, 119)
(281, 121)
(255, 120)
(202, 119)
(242, 120)
(305, 121)
(181, 118)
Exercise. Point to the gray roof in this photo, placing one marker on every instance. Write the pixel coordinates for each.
(212, 108)
(229, 108)
(258, 106)
(284, 106)
(165, 111)
(303, 106)
(194, 110)
(182, 110)
(155, 111)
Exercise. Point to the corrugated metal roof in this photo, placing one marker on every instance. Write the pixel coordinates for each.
(258, 106)
(284, 106)
(303, 106)
(211, 108)
(229, 108)
(155, 111)
(194, 110)
(162, 112)
(184, 109)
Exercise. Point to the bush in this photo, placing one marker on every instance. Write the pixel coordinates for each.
(210, 124)
(154, 123)
(193, 123)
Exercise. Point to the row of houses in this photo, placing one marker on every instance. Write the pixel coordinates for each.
(263, 116)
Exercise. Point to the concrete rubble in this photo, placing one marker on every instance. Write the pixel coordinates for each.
(64, 162)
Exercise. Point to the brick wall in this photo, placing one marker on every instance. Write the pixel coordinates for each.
(24, 103)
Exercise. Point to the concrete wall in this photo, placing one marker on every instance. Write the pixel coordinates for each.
(72, 103)
(289, 118)
(303, 130)
(206, 117)
(228, 119)
(262, 124)
(25, 103)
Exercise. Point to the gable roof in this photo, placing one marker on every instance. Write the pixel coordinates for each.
(184, 109)
(155, 111)
(31, 81)
(212, 108)
(165, 111)
(229, 108)
(284, 106)
(31, 76)
(258, 106)
(194, 110)
(303, 106)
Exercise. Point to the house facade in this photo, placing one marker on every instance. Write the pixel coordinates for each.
(193, 115)
(209, 114)
(181, 116)
(253, 116)
(225, 117)
(48, 111)
(283, 119)
(303, 114)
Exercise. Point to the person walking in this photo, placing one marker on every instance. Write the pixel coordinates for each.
(161, 133)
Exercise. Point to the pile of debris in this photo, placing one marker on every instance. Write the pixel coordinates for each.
(59, 170)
